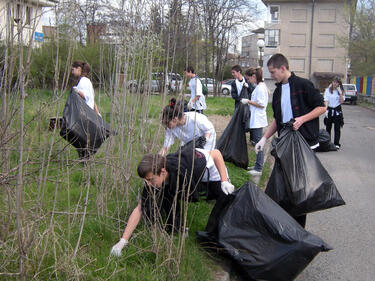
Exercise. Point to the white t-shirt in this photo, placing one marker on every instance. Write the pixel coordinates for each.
(210, 165)
(332, 98)
(196, 90)
(239, 85)
(258, 117)
(196, 125)
(286, 106)
(87, 89)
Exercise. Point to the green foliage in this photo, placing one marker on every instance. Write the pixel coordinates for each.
(362, 44)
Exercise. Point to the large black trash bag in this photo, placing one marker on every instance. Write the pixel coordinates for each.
(82, 126)
(232, 143)
(299, 182)
(264, 240)
(325, 143)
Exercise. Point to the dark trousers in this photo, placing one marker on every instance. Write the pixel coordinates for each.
(337, 128)
(196, 110)
(255, 136)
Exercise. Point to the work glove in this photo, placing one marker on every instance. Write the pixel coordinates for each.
(116, 249)
(260, 145)
(227, 187)
(190, 105)
(245, 101)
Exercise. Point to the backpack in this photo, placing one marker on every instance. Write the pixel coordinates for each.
(204, 87)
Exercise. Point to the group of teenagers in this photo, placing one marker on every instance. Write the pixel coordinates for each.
(197, 167)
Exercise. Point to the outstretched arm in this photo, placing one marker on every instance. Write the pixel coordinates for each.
(220, 164)
(133, 221)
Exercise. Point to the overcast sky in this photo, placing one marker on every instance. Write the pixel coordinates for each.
(48, 19)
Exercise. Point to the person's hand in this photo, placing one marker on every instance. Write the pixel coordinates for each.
(116, 249)
(190, 105)
(227, 187)
(245, 101)
(297, 123)
(75, 90)
(260, 145)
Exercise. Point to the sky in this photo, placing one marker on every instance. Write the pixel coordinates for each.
(48, 19)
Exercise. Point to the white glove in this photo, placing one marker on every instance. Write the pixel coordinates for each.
(227, 187)
(260, 145)
(75, 90)
(116, 249)
(190, 105)
(246, 85)
(245, 101)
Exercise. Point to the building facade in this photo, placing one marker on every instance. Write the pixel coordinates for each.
(20, 21)
(249, 49)
(308, 33)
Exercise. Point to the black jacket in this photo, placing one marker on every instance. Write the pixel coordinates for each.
(304, 97)
(245, 92)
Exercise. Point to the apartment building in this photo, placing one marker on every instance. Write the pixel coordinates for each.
(249, 48)
(308, 33)
(21, 20)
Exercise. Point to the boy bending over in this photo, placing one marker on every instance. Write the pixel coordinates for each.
(171, 179)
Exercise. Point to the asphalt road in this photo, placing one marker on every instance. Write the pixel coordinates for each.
(349, 229)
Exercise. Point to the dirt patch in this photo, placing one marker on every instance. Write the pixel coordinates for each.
(220, 122)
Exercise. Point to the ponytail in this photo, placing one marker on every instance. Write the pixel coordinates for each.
(174, 109)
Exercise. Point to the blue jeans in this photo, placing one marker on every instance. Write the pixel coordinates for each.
(255, 136)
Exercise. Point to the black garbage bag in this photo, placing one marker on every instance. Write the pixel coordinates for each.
(81, 126)
(299, 182)
(264, 241)
(325, 143)
(232, 143)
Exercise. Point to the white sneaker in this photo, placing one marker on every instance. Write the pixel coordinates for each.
(337, 146)
(250, 168)
(255, 173)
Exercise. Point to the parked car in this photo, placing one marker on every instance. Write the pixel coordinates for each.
(210, 83)
(350, 93)
(226, 87)
(173, 81)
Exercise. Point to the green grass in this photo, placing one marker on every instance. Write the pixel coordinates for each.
(113, 191)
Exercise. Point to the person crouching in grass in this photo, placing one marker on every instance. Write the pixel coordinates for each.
(173, 178)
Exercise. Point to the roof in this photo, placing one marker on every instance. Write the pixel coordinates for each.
(258, 31)
(267, 2)
(327, 75)
(43, 3)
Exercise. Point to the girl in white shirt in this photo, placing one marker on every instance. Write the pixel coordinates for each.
(186, 127)
(84, 86)
(333, 98)
(258, 117)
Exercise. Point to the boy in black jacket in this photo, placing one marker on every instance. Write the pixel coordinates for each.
(294, 98)
(240, 87)
(171, 179)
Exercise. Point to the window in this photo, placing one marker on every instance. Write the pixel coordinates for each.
(272, 37)
(18, 13)
(275, 13)
(28, 15)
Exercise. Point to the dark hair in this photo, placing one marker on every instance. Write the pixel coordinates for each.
(250, 71)
(278, 60)
(338, 80)
(237, 68)
(259, 75)
(174, 109)
(189, 69)
(151, 163)
(84, 66)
